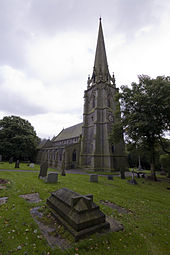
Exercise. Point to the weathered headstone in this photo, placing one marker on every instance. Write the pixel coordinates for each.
(93, 178)
(138, 175)
(17, 164)
(0, 158)
(32, 198)
(143, 175)
(52, 178)
(110, 177)
(78, 213)
(43, 170)
(31, 165)
(63, 172)
(132, 181)
(3, 200)
(11, 160)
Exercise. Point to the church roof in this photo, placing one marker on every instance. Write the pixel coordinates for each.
(70, 132)
(100, 63)
(44, 144)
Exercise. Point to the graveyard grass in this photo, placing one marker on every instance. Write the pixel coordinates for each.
(22, 166)
(146, 226)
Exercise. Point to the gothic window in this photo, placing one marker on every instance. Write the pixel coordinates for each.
(60, 155)
(57, 156)
(74, 155)
(112, 148)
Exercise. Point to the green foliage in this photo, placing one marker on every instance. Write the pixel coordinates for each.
(165, 162)
(17, 138)
(134, 154)
(117, 132)
(146, 113)
(147, 225)
(145, 108)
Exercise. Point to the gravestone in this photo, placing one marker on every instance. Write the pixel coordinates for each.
(11, 160)
(143, 175)
(31, 165)
(3, 200)
(63, 173)
(132, 181)
(93, 178)
(138, 175)
(52, 178)
(110, 177)
(43, 170)
(0, 158)
(78, 213)
(17, 164)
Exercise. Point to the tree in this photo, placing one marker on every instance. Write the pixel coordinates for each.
(17, 138)
(146, 114)
(116, 135)
(165, 162)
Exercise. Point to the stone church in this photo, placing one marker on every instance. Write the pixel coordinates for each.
(87, 144)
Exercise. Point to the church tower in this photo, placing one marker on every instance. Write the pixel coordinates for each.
(100, 108)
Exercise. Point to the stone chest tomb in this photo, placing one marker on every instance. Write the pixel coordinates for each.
(78, 213)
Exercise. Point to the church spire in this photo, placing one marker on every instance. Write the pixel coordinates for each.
(100, 70)
(100, 63)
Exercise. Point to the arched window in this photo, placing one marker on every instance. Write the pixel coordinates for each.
(112, 148)
(60, 156)
(74, 155)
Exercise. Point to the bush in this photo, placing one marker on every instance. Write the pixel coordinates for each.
(165, 162)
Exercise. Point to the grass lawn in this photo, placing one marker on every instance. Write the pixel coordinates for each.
(147, 227)
(22, 166)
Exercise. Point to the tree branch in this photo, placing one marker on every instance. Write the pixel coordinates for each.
(163, 145)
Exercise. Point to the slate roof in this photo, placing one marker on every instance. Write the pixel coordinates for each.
(41, 144)
(68, 133)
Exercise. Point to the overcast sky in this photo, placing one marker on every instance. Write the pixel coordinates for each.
(47, 50)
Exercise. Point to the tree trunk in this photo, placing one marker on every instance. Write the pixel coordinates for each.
(122, 174)
(153, 174)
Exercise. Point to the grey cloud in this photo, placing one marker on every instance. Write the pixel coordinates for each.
(124, 15)
(16, 104)
(19, 19)
(133, 15)
(11, 39)
(53, 16)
